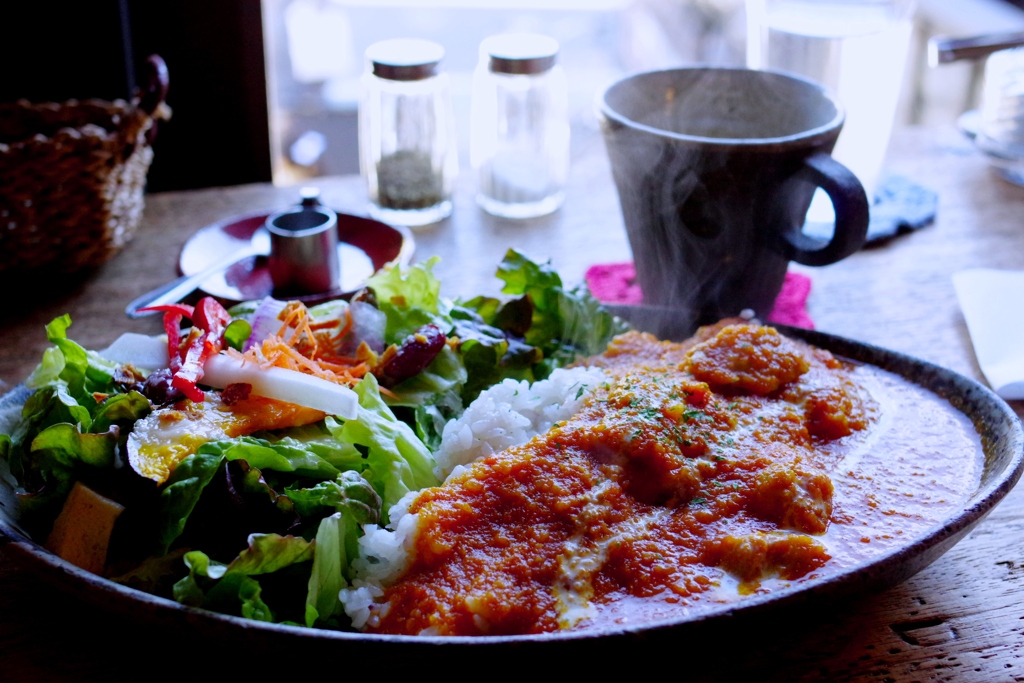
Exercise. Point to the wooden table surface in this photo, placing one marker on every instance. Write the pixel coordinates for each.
(961, 619)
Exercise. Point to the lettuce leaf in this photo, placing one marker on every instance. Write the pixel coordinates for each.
(284, 455)
(49, 369)
(51, 405)
(182, 492)
(63, 444)
(350, 493)
(304, 459)
(434, 396)
(336, 546)
(565, 323)
(270, 552)
(84, 371)
(410, 298)
(397, 461)
(315, 438)
(429, 422)
(230, 588)
(543, 285)
(586, 326)
(70, 426)
(123, 410)
(490, 354)
(543, 327)
(233, 593)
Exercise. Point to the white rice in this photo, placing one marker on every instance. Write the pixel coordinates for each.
(384, 553)
(505, 415)
(512, 413)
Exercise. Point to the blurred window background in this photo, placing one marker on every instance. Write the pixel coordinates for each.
(314, 51)
(269, 90)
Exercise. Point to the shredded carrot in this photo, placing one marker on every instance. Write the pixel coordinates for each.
(296, 346)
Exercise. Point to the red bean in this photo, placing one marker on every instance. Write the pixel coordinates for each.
(416, 352)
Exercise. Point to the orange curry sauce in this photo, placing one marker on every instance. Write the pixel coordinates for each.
(701, 472)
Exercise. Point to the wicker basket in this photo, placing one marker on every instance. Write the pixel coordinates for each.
(72, 177)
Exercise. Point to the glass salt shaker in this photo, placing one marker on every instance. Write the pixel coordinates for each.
(407, 151)
(520, 126)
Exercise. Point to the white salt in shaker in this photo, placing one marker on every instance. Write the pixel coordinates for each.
(520, 126)
(407, 149)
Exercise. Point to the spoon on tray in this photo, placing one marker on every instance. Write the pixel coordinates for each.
(176, 290)
(302, 245)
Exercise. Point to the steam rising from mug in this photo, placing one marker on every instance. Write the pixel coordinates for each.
(715, 170)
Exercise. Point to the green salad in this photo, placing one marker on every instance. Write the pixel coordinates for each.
(233, 464)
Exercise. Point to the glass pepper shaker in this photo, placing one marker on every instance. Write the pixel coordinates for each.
(520, 126)
(407, 149)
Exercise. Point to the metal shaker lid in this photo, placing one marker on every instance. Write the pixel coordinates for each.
(520, 53)
(405, 59)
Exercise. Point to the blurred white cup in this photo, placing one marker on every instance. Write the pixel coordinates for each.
(857, 49)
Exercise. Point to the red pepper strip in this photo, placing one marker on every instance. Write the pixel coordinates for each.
(191, 370)
(186, 358)
(173, 313)
(213, 318)
(172, 326)
(181, 309)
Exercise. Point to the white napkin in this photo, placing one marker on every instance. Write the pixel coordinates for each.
(993, 305)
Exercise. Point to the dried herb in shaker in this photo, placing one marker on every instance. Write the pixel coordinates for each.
(407, 133)
(406, 179)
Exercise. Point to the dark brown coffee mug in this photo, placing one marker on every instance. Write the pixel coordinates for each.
(715, 170)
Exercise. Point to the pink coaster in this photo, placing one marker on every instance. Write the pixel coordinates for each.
(791, 304)
(615, 283)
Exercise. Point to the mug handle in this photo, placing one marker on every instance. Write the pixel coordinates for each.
(851, 208)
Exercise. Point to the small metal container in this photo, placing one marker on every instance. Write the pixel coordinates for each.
(520, 126)
(304, 248)
(407, 149)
